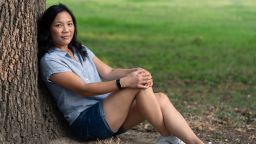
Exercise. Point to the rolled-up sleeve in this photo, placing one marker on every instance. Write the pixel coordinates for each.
(51, 66)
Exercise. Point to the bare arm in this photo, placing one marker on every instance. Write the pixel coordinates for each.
(108, 73)
(71, 81)
(132, 78)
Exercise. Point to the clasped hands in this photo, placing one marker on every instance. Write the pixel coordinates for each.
(137, 78)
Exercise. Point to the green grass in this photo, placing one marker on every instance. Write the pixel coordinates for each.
(198, 51)
(189, 40)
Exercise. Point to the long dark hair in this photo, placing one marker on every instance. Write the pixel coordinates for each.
(44, 39)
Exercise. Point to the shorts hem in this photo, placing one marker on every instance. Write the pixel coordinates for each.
(104, 118)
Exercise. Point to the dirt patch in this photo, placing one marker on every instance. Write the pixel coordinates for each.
(145, 134)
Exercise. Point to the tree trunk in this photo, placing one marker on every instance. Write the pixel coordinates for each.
(27, 115)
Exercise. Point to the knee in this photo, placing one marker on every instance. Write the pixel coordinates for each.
(148, 91)
(162, 98)
(132, 90)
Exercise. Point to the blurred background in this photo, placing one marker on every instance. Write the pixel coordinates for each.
(201, 53)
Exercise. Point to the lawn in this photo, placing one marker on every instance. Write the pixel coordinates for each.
(201, 53)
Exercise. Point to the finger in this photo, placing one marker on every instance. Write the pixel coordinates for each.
(141, 71)
(146, 79)
(142, 86)
(148, 83)
(145, 75)
(144, 82)
(151, 84)
(146, 71)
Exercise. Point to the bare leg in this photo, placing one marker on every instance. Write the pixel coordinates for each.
(157, 110)
(135, 117)
(149, 107)
(174, 121)
(118, 105)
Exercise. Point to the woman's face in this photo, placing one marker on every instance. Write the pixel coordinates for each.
(62, 29)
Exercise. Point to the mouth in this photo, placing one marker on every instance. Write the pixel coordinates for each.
(65, 37)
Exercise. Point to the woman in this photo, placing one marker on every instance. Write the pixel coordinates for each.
(97, 109)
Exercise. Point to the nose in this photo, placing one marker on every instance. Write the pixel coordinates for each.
(65, 28)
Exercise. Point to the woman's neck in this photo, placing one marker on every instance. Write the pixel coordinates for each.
(63, 48)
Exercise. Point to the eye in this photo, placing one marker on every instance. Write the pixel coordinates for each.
(70, 24)
(58, 25)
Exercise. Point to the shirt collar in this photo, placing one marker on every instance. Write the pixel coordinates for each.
(59, 51)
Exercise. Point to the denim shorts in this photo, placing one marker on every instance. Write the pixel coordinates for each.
(91, 124)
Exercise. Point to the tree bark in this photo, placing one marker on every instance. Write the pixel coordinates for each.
(27, 115)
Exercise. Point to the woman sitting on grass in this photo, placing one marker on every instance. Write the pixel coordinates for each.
(97, 109)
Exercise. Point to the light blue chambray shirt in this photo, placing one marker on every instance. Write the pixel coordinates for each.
(70, 103)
